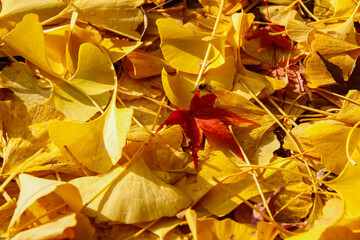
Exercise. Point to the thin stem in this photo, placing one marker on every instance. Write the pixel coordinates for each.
(339, 96)
(347, 146)
(141, 230)
(73, 158)
(155, 120)
(279, 169)
(308, 11)
(300, 194)
(7, 197)
(47, 21)
(21, 167)
(134, 118)
(8, 54)
(277, 33)
(281, 125)
(253, 4)
(204, 65)
(123, 170)
(253, 174)
(37, 218)
(291, 5)
(304, 107)
(159, 103)
(232, 192)
(281, 111)
(272, 115)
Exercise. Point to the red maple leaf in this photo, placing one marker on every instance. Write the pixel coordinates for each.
(267, 39)
(203, 118)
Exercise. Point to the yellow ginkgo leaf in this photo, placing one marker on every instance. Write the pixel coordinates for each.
(118, 48)
(164, 152)
(96, 144)
(326, 217)
(241, 23)
(145, 112)
(191, 218)
(185, 48)
(336, 51)
(346, 113)
(230, 7)
(257, 83)
(249, 136)
(71, 226)
(142, 64)
(298, 30)
(330, 140)
(343, 7)
(130, 88)
(346, 184)
(115, 47)
(19, 79)
(55, 43)
(93, 74)
(89, 87)
(28, 40)
(33, 188)
(344, 31)
(266, 231)
(211, 228)
(72, 102)
(17, 116)
(11, 11)
(179, 88)
(204, 181)
(131, 194)
(92, 81)
(220, 202)
(32, 152)
(163, 226)
(280, 14)
(122, 17)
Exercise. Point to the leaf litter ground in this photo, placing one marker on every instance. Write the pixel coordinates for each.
(156, 119)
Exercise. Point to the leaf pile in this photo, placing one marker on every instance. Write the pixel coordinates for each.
(157, 119)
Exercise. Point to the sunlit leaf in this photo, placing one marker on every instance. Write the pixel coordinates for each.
(32, 47)
(96, 144)
(33, 188)
(71, 226)
(135, 195)
(185, 48)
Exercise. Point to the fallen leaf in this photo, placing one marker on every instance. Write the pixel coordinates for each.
(179, 88)
(121, 17)
(345, 184)
(94, 74)
(131, 194)
(71, 226)
(280, 14)
(201, 118)
(329, 140)
(220, 202)
(142, 64)
(346, 112)
(217, 165)
(187, 52)
(336, 51)
(98, 154)
(224, 229)
(33, 188)
(19, 79)
(230, 7)
(13, 13)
